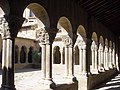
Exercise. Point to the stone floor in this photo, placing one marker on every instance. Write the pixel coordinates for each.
(30, 79)
(112, 84)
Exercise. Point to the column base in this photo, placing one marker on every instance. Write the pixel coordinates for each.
(71, 79)
(94, 71)
(5, 87)
(106, 68)
(49, 84)
(111, 67)
(101, 69)
(84, 74)
(83, 82)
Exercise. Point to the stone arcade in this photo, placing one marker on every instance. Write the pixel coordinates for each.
(67, 35)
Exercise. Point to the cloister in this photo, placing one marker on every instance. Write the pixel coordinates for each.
(64, 33)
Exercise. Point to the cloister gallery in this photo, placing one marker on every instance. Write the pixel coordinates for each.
(63, 33)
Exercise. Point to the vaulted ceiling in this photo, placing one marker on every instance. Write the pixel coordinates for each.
(106, 11)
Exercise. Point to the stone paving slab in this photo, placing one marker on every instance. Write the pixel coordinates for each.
(30, 79)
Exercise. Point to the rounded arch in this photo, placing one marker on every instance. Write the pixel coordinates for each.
(76, 55)
(23, 54)
(57, 55)
(94, 37)
(16, 53)
(4, 8)
(41, 14)
(65, 25)
(113, 45)
(110, 43)
(101, 40)
(81, 31)
(30, 55)
(106, 41)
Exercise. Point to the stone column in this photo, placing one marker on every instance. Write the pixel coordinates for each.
(94, 58)
(110, 58)
(66, 61)
(52, 55)
(106, 58)
(48, 77)
(43, 61)
(113, 57)
(71, 62)
(62, 58)
(10, 30)
(81, 59)
(46, 37)
(49, 38)
(96, 61)
(69, 55)
(84, 59)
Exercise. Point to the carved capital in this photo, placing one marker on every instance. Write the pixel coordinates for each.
(4, 28)
(45, 35)
(67, 40)
(84, 46)
(40, 35)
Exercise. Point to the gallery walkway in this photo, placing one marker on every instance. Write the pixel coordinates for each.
(112, 84)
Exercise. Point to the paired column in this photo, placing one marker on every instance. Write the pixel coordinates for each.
(94, 58)
(62, 58)
(100, 58)
(106, 62)
(110, 58)
(46, 37)
(43, 61)
(9, 33)
(113, 57)
(82, 57)
(69, 58)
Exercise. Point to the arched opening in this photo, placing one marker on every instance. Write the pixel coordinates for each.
(57, 55)
(40, 13)
(23, 54)
(76, 55)
(64, 26)
(106, 42)
(16, 53)
(81, 31)
(94, 37)
(30, 55)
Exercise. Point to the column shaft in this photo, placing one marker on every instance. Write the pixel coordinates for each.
(62, 56)
(48, 62)
(84, 61)
(66, 61)
(8, 66)
(43, 61)
(81, 60)
(71, 62)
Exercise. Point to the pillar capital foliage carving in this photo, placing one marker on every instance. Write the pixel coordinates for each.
(4, 28)
(106, 49)
(46, 35)
(100, 48)
(10, 25)
(82, 43)
(94, 46)
(67, 40)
